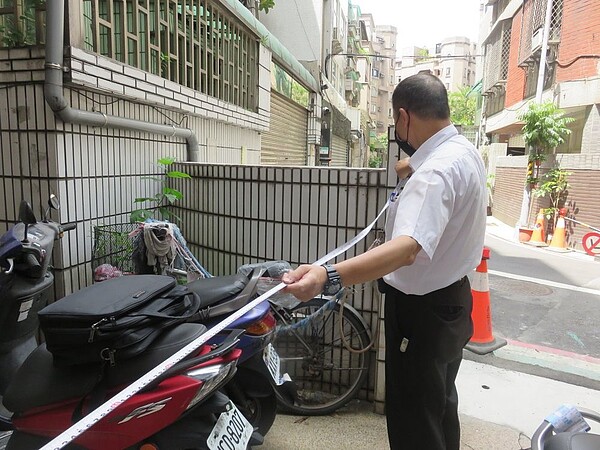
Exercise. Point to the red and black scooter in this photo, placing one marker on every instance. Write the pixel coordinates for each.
(181, 409)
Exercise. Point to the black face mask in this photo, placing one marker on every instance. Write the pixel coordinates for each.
(404, 144)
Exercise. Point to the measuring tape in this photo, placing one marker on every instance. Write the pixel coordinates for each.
(103, 410)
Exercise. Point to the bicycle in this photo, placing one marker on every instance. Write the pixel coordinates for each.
(323, 346)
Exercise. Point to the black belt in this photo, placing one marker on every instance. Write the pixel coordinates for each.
(385, 288)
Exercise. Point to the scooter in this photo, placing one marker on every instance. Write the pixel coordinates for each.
(181, 409)
(257, 383)
(550, 435)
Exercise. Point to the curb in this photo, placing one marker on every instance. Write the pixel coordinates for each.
(560, 365)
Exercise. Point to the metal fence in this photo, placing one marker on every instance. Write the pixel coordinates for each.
(196, 43)
(22, 22)
(233, 215)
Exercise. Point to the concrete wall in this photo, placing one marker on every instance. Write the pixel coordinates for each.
(98, 172)
(582, 199)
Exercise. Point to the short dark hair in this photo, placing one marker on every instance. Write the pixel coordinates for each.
(422, 94)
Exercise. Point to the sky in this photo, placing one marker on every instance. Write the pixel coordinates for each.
(423, 23)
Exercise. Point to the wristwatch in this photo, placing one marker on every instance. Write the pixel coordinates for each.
(334, 281)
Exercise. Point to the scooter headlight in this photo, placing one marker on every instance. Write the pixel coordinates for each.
(211, 377)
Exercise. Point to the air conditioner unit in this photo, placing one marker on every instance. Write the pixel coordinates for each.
(536, 39)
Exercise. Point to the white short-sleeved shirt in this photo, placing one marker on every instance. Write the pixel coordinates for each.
(443, 207)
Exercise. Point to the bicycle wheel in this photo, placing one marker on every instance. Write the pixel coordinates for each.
(310, 346)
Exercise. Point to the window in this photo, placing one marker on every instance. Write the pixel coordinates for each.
(447, 72)
(203, 47)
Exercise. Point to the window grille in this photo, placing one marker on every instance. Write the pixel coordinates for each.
(195, 43)
(22, 22)
(534, 15)
(497, 53)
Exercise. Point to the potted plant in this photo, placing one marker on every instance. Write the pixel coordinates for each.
(554, 184)
(545, 127)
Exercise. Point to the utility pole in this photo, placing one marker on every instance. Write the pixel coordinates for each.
(544, 50)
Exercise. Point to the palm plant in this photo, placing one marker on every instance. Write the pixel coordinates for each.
(545, 127)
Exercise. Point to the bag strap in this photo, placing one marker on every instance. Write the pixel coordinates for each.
(193, 308)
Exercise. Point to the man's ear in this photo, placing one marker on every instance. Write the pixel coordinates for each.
(402, 115)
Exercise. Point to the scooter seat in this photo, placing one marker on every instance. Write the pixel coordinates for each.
(573, 441)
(217, 289)
(38, 382)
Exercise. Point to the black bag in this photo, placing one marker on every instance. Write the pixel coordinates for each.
(114, 320)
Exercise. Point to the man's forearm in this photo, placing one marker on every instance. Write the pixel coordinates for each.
(378, 261)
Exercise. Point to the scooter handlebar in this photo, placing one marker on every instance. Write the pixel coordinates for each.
(68, 227)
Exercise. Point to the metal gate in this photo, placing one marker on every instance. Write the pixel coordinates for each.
(285, 144)
(339, 151)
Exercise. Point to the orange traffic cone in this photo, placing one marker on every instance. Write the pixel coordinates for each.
(558, 242)
(483, 340)
(538, 237)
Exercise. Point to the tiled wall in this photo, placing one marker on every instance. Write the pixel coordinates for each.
(233, 215)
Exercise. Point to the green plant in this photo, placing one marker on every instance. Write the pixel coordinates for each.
(378, 146)
(545, 127)
(20, 31)
(555, 185)
(162, 199)
(463, 105)
(266, 5)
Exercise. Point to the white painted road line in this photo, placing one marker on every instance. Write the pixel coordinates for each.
(545, 282)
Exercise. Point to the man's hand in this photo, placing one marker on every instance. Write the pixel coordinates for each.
(306, 282)
(402, 168)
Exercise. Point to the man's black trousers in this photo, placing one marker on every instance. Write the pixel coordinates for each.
(425, 336)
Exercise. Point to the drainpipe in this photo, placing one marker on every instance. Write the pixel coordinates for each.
(53, 90)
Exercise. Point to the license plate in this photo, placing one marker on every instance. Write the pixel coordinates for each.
(231, 432)
(273, 363)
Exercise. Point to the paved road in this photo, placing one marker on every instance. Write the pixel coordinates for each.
(548, 316)
(573, 268)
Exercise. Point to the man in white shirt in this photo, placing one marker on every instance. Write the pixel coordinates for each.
(434, 236)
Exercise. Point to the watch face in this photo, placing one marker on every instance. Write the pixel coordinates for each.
(333, 283)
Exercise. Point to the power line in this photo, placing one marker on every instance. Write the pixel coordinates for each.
(395, 58)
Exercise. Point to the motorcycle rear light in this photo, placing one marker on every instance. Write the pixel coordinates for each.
(211, 377)
(148, 447)
(263, 326)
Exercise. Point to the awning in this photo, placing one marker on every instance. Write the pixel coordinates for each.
(508, 13)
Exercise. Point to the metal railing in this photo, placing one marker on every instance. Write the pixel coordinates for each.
(533, 23)
(196, 43)
(22, 23)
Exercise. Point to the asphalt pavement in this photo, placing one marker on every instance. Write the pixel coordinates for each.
(548, 314)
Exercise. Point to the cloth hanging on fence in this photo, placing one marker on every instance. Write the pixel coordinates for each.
(160, 245)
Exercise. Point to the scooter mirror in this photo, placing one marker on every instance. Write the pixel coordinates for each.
(53, 202)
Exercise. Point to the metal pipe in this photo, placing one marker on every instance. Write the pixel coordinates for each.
(543, 55)
(53, 90)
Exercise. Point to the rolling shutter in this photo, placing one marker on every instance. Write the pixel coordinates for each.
(285, 143)
(339, 151)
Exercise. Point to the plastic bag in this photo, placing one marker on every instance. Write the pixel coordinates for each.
(105, 272)
(274, 270)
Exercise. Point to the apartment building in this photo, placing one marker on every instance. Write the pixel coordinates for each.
(513, 47)
(453, 60)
